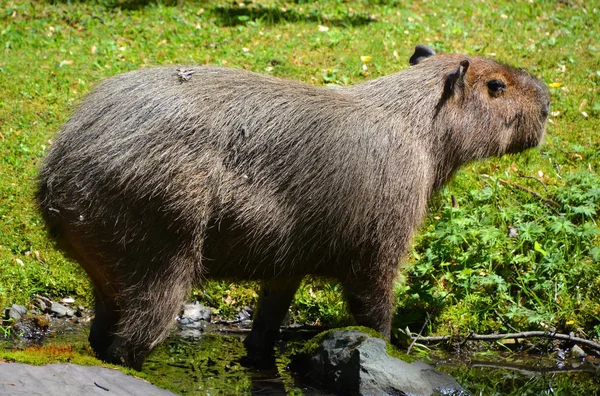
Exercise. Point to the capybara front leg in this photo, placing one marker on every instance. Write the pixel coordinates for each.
(147, 315)
(371, 304)
(104, 326)
(275, 298)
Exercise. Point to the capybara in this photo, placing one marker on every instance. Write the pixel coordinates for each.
(167, 176)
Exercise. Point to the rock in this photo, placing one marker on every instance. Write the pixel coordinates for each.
(16, 312)
(351, 362)
(67, 300)
(42, 303)
(71, 379)
(195, 312)
(245, 314)
(58, 309)
(577, 352)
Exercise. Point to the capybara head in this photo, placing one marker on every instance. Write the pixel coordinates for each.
(473, 107)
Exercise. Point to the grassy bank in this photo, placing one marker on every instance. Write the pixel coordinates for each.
(520, 249)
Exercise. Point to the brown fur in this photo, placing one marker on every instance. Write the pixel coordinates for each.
(164, 177)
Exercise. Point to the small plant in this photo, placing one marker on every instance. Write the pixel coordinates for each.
(510, 259)
(5, 331)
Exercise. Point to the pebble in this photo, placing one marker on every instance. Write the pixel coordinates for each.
(577, 352)
(60, 310)
(16, 311)
(41, 304)
(245, 314)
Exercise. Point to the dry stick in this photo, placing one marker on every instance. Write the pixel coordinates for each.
(415, 339)
(505, 322)
(536, 179)
(550, 203)
(524, 334)
(525, 189)
(101, 387)
(529, 370)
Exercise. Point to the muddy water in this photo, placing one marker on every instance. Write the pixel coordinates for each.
(213, 365)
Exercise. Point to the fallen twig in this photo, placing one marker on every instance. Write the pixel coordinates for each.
(412, 344)
(531, 370)
(504, 320)
(550, 203)
(523, 334)
(101, 387)
(525, 189)
(414, 340)
(536, 179)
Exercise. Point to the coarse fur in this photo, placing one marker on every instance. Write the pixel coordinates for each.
(167, 176)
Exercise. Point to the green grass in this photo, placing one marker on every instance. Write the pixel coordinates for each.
(465, 271)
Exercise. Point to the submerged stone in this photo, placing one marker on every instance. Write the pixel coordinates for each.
(351, 362)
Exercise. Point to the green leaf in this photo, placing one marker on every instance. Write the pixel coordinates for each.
(538, 248)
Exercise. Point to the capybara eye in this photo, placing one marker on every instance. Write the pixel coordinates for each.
(496, 87)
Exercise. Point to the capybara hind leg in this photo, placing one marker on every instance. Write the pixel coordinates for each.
(275, 298)
(147, 315)
(371, 304)
(104, 326)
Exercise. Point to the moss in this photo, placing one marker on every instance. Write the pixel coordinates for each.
(50, 354)
(313, 344)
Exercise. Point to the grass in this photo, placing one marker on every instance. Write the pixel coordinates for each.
(467, 270)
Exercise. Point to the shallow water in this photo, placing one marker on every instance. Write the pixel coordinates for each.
(212, 365)
(510, 373)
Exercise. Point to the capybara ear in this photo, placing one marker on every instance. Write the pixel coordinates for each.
(421, 52)
(463, 67)
(456, 79)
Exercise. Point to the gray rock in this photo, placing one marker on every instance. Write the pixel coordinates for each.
(16, 311)
(351, 362)
(71, 380)
(245, 314)
(195, 312)
(577, 352)
(58, 309)
(42, 303)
